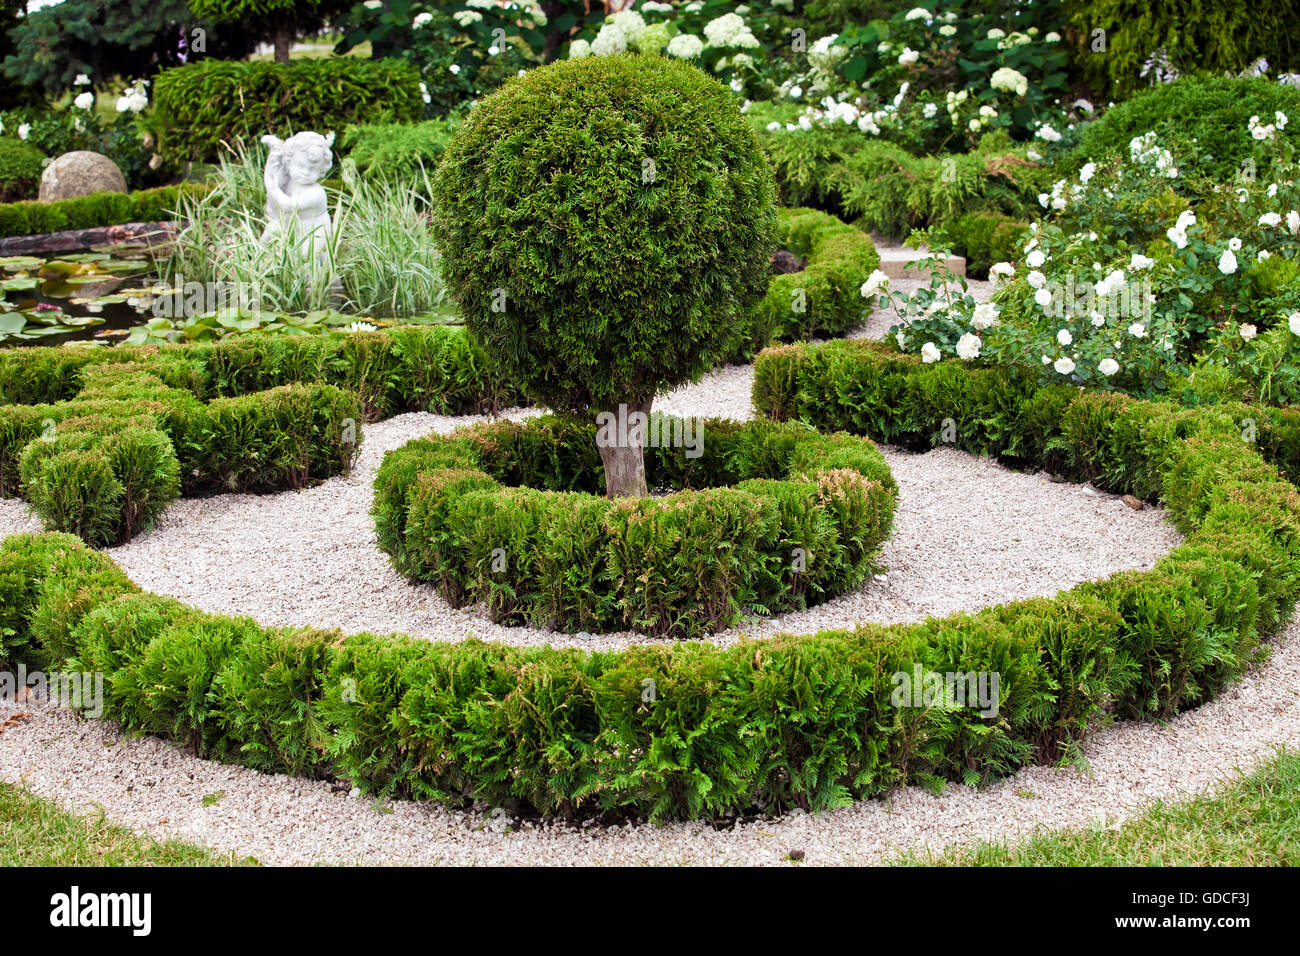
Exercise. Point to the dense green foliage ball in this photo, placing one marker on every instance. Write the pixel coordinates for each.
(20, 170)
(607, 224)
(1212, 110)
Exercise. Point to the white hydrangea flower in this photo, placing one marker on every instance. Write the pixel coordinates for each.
(908, 56)
(609, 41)
(1009, 80)
(685, 47)
(629, 22)
(577, 50)
(1087, 172)
(968, 346)
(930, 353)
(465, 17)
(421, 19)
(947, 30)
(917, 13)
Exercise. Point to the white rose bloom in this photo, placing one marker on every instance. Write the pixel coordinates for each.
(876, 282)
(1064, 337)
(908, 57)
(685, 47)
(929, 110)
(1098, 320)
(1036, 258)
(1177, 237)
(1248, 332)
(773, 126)
(84, 101)
(1044, 199)
(1293, 221)
(1087, 172)
(1043, 297)
(1001, 271)
(1294, 323)
(1036, 279)
(1047, 360)
(796, 92)
(1064, 365)
(24, 130)
(1108, 366)
(901, 339)
(81, 80)
(984, 316)
(929, 353)
(1138, 330)
(1140, 262)
(1047, 134)
(968, 346)
(1262, 255)
(1270, 219)
(1227, 262)
(421, 19)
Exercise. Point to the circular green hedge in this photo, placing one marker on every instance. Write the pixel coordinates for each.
(767, 517)
(607, 225)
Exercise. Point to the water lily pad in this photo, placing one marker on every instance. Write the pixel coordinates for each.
(12, 322)
(19, 263)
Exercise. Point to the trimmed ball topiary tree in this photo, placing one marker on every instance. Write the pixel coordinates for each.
(607, 224)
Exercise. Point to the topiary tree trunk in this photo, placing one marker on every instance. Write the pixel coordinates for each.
(282, 36)
(624, 457)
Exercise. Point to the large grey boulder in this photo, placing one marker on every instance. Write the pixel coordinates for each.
(80, 173)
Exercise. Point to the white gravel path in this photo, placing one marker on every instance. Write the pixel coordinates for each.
(968, 534)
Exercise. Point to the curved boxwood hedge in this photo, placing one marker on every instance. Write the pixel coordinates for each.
(823, 299)
(792, 721)
(99, 441)
(773, 517)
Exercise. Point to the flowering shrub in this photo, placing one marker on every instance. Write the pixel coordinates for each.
(462, 50)
(1127, 283)
(713, 35)
(934, 80)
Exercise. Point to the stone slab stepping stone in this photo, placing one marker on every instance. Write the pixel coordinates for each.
(894, 260)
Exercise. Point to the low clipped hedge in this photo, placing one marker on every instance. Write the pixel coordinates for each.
(100, 441)
(406, 368)
(104, 464)
(94, 211)
(694, 730)
(821, 300)
(201, 105)
(765, 518)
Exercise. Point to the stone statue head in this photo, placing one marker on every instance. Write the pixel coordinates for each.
(306, 156)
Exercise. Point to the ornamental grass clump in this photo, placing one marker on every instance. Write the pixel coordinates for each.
(607, 225)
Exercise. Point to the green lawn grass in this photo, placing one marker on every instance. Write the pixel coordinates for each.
(35, 832)
(1252, 821)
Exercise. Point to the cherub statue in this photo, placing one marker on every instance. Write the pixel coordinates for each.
(296, 204)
